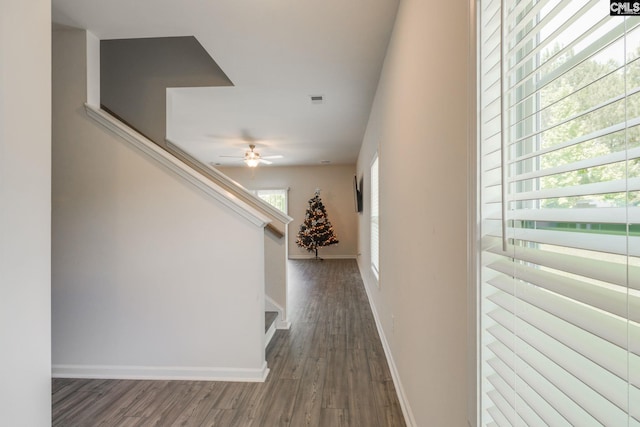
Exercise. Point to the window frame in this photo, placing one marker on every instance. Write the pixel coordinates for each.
(374, 217)
(284, 191)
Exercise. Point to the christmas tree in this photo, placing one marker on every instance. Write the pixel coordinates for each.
(316, 230)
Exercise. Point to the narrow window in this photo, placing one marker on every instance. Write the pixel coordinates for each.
(375, 228)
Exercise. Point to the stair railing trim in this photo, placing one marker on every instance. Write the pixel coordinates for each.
(178, 167)
(230, 183)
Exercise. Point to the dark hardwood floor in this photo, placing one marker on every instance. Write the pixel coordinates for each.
(329, 369)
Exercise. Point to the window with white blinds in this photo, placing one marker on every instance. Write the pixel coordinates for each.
(275, 197)
(559, 144)
(375, 257)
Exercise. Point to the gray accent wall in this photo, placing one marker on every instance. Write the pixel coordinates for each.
(135, 74)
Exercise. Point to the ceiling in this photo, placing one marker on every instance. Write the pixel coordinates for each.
(277, 53)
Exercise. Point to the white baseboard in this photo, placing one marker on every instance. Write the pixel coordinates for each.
(161, 373)
(312, 256)
(402, 397)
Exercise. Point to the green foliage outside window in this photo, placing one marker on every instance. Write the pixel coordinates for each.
(572, 111)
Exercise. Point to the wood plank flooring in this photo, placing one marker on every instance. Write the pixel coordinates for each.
(329, 370)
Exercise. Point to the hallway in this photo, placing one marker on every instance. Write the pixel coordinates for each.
(329, 369)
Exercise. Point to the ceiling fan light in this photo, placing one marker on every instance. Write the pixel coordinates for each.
(252, 162)
(251, 158)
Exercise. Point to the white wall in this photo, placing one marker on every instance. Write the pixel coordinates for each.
(151, 277)
(336, 185)
(25, 209)
(419, 124)
(275, 259)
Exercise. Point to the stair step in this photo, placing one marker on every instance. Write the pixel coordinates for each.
(269, 318)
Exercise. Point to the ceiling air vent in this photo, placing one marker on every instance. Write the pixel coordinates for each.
(317, 99)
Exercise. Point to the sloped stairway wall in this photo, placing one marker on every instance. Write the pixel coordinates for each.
(151, 276)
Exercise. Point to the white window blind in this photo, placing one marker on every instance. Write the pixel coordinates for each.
(559, 144)
(375, 218)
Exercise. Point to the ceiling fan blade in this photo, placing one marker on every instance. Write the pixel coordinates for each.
(234, 157)
(277, 156)
(266, 162)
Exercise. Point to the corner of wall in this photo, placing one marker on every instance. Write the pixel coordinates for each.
(25, 218)
(93, 70)
(473, 367)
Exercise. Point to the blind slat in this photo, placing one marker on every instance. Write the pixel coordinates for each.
(584, 215)
(611, 300)
(608, 328)
(597, 269)
(597, 403)
(615, 157)
(607, 187)
(522, 416)
(541, 412)
(543, 378)
(631, 122)
(544, 44)
(601, 243)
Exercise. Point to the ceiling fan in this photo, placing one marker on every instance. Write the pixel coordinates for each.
(253, 158)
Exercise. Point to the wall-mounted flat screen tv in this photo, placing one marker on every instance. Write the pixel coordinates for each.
(357, 193)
